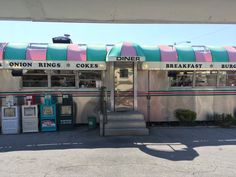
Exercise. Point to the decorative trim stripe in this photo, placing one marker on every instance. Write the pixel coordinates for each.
(126, 94)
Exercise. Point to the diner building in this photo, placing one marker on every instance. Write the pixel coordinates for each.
(152, 80)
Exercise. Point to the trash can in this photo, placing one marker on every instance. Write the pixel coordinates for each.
(92, 122)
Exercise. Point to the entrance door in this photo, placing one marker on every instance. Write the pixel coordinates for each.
(124, 86)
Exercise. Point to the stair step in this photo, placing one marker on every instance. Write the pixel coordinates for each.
(126, 124)
(119, 116)
(126, 132)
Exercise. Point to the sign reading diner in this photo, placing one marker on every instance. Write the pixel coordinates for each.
(126, 58)
(60, 65)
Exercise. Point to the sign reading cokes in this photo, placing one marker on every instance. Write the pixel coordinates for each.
(50, 65)
(126, 58)
(87, 66)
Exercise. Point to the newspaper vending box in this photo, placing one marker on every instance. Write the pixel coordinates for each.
(29, 116)
(66, 116)
(48, 115)
(10, 116)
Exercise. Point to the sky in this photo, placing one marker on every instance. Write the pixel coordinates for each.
(99, 33)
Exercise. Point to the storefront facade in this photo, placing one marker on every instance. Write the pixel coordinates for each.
(154, 80)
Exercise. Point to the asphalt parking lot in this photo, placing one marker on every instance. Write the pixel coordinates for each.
(168, 151)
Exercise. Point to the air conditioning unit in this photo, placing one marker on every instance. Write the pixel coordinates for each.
(62, 39)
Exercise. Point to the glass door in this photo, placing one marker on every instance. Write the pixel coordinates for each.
(124, 86)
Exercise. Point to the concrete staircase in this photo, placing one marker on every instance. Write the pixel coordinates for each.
(125, 124)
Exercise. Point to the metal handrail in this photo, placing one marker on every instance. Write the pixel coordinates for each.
(104, 118)
(104, 108)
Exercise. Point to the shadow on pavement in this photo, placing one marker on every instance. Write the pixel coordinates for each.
(174, 144)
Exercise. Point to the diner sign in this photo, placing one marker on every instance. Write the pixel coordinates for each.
(126, 58)
(188, 66)
(52, 65)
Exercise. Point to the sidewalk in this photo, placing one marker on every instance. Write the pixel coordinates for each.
(197, 151)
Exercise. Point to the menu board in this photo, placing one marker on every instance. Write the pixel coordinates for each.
(30, 111)
(9, 112)
(66, 110)
(47, 110)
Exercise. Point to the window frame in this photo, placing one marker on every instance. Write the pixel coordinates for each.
(217, 79)
(46, 74)
(181, 87)
(50, 88)
(219, 86)
(63, 87)
(101, 78)
(194, 87)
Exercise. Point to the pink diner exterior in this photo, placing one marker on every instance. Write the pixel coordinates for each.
(231, 53)
(203, 56)
(168, 53)
(128, 50)
(36, 54)
(76, 52)
(2, 46)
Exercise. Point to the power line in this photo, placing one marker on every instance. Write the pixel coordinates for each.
(209, 33)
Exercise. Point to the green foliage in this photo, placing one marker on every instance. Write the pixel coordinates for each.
(223, 120)
(185, 115)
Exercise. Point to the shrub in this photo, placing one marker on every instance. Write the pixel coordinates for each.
(223, 120)
(186, 116)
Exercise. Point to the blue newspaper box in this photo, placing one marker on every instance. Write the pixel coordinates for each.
(48, 115)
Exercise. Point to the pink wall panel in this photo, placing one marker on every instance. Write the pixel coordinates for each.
(36, 54)
(76, 53)
(168, 53)
(231, 52)
(128, 49)
(2, 46)
(203, 56)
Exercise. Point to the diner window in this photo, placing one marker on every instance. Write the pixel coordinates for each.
(181, 78)
(61, 78)
(35, 78)
(89, 79)
(227, 78)
(124, 73)
(206, 78)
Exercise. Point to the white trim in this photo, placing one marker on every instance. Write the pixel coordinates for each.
(112, 85)
(189, 66)
(63, 89)
(52, 65)
(126, 58)
(135, 84)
